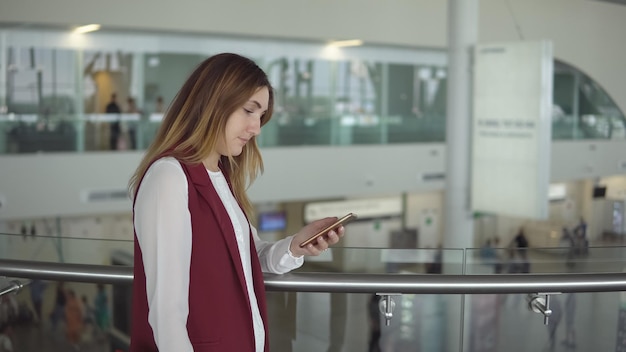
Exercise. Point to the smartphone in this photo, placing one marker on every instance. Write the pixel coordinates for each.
(343, 220)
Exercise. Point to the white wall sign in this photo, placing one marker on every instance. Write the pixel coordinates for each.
(363, 208)
(557, 191)
(512, 128)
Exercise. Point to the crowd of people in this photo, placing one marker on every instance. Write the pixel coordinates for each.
(71, 317)
(513, 258)
(122, 135)
(81, 319)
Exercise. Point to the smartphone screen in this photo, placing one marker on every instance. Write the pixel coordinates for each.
(349, 217)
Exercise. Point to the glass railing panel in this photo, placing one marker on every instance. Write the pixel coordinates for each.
(297, 321)
(147, 130)
(32, 133)
(306, 321)
(59, 249)
(112, 132)
(575, 258)
(617, 127)
(352, 129)
(340, 322)
(316, 321)
(565, 127)
(311, 322)
(588, 126)
(66, 316)
(424, 128)
(579, 322)
(594, 126)
(386, 261)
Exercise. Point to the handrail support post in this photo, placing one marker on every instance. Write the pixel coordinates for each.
(540, 303)
(386, 305)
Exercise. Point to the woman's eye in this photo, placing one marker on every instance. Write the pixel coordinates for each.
(247, 111)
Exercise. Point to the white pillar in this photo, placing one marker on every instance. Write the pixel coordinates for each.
(137, 80)
(4, 239)
(3, 72)
(79, 101)
(4, 128)
(458, 220)
(462, 35)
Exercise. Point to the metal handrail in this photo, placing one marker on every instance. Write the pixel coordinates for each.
(346, 282)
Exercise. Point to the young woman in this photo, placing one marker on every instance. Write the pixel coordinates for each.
(198, 267)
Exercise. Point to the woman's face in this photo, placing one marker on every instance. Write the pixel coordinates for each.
(244, 123)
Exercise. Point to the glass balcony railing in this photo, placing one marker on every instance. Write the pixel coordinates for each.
(104, 132)
(444, 300)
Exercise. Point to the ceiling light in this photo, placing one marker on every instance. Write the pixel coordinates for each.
(342, 43)
(86, 28)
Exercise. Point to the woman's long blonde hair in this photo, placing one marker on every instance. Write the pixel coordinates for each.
(196, 120)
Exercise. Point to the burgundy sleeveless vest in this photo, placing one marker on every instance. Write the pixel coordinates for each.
(220, 317)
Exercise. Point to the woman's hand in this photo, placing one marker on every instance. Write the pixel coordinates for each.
(322, 242)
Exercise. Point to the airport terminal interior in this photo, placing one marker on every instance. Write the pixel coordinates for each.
(79, 105)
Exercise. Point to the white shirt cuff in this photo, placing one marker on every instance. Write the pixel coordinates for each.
(291, 254)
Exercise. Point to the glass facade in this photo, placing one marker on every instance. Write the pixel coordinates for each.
(55, 97)
(582, 109)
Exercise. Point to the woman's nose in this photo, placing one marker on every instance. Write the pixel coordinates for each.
(255, 127)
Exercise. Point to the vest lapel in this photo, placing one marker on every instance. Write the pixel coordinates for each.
(202, 183)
